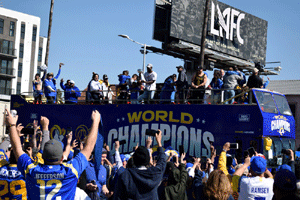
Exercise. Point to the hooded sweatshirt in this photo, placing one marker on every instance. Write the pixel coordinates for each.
(137, 183)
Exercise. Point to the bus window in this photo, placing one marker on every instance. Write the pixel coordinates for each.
(288, 143)
(266, 102)
(282, 105)
(277, 146)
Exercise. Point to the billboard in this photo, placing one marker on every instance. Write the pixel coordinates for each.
(230, 30)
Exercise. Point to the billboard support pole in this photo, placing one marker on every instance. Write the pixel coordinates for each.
(204, 31)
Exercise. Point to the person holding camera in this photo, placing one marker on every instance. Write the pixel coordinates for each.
(289, 158)
(142, 181)
(177, 179)
(256, 186)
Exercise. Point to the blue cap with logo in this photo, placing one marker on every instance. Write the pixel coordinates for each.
(258, 164)
(189, 165)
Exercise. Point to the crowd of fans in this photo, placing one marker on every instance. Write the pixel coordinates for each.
(37, 167)
(143, 88)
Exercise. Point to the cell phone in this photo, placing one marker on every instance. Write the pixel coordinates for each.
(251, 151)
(120, 142)
(78, 144)
(94, 182)
(229, 161)
(26, 146)
(151, 132)
(234, 145)
(181, 150)
(27, 131)
(69, 129)
(13, 113)
(203, 162)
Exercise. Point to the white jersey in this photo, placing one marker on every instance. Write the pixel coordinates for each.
(256, 188)
(151, 77)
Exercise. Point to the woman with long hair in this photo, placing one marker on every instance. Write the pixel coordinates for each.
(218, 187)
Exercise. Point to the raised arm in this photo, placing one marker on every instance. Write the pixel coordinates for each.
(45, 136)
(222, 158)
(68, 146)
(35, 128)
(59, 70)
(117, 155)
(161, 158)
(14, 136)
(240, 171)
(44, 75)
(92, 137)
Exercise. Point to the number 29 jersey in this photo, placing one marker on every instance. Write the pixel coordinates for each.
(52, 181)
(12, 183)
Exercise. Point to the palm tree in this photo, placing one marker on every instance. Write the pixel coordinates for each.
(49, 32)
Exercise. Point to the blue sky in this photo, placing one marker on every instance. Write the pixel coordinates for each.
(85, 35)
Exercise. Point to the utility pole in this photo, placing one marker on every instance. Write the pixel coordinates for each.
(49, 32)
(204, 31)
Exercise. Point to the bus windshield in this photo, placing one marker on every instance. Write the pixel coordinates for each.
(266, 102)
(282, 105)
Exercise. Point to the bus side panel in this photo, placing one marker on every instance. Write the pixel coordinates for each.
(193, 126)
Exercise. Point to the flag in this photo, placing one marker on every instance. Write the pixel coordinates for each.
(99, 145)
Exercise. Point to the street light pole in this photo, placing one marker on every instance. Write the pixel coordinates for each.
(144, 52)
(144, 58)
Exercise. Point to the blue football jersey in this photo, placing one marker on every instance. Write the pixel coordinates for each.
(52, 181)
(12, 183)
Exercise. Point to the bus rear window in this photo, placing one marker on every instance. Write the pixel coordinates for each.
(266, 102)
(282, 105)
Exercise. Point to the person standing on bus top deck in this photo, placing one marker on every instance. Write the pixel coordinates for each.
(71, 92)
(37, 89)
(254, 81)
(95, 88)
(54, 179)
(198, 85)
(105, 87)
(50, 86)
(150, 80)
(182, 84)
(12, 180)
(123, 85)
(217, 84)
(167, 90)
(257, 186)
(230, 81)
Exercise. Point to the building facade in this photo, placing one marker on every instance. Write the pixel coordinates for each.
(22, 51)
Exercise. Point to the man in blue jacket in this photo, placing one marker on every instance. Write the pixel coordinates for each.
(50, 86)
(71, 92)
(142, 181)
